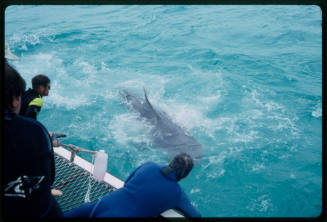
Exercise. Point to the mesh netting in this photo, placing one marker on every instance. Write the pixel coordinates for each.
(73, 181)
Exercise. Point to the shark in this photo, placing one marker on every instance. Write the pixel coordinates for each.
(165, 133)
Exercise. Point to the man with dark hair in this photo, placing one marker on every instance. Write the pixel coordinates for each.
(32, 99)
(150, 190)
(28, 163)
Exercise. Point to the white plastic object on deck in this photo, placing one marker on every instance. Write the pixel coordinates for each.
(100, 165)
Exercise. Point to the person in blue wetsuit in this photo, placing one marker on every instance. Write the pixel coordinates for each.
(150, 190)
(28, 158)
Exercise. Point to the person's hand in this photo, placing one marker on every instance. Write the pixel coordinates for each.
(58, 135)
(56, 192)
(56, 143)
(54, 136)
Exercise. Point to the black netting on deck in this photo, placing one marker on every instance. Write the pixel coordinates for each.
(73, 181)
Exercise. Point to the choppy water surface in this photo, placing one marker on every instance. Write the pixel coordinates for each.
(245, 81)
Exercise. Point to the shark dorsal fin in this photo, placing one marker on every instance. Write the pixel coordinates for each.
(148, 102)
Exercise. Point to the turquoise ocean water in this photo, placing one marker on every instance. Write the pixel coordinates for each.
(245, 81)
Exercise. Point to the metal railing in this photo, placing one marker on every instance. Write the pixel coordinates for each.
(75, 150)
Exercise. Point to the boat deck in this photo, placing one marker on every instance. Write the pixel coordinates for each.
(74, 181)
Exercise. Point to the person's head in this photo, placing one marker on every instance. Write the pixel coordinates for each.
(41, 84)
(14, 88)
(182, 164)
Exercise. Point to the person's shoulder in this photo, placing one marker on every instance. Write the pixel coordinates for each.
(28, 92)
(150, 163)
(30, 123)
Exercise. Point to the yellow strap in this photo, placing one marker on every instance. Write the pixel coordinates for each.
(36, 102)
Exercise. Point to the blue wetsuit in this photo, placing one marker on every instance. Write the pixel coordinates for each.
(28, 169)
(146, 193)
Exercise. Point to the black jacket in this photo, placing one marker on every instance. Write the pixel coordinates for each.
(29, 169)
(31, 104)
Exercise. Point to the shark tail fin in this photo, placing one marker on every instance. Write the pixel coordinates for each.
(148, 102)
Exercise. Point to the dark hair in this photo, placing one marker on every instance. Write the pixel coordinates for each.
(14, 85)
(40, 80)
(182, 164)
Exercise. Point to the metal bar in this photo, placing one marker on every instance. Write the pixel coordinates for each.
(79, 149)
(76, 149)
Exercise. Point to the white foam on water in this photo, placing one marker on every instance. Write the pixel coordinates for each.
(185, 115)
(87, 68)
(216, 159)
(128, 127)
(213, 96)
(41, 63)
(292, 176)
(216, 174)
(256, 114)
(196, 190)
(214, 164)
(85, 77)
(70, 102)
(317, 112)
(261, 204)
(133, 84)
(21, 40)
(258, 167)
(256, 98)
(244, 137)
(280, 122)
(194, 204)
(212, 99)
(153, 84)
(285, 156)
(264, 205)
(225, 123)
(279, 119)
(104, 67)
(273, 106)
(210, 102)
(109, 94)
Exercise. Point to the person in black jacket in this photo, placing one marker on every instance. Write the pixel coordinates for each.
(28, 161)
(32, 99)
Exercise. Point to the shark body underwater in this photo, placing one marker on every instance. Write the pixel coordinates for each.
(165, 133)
